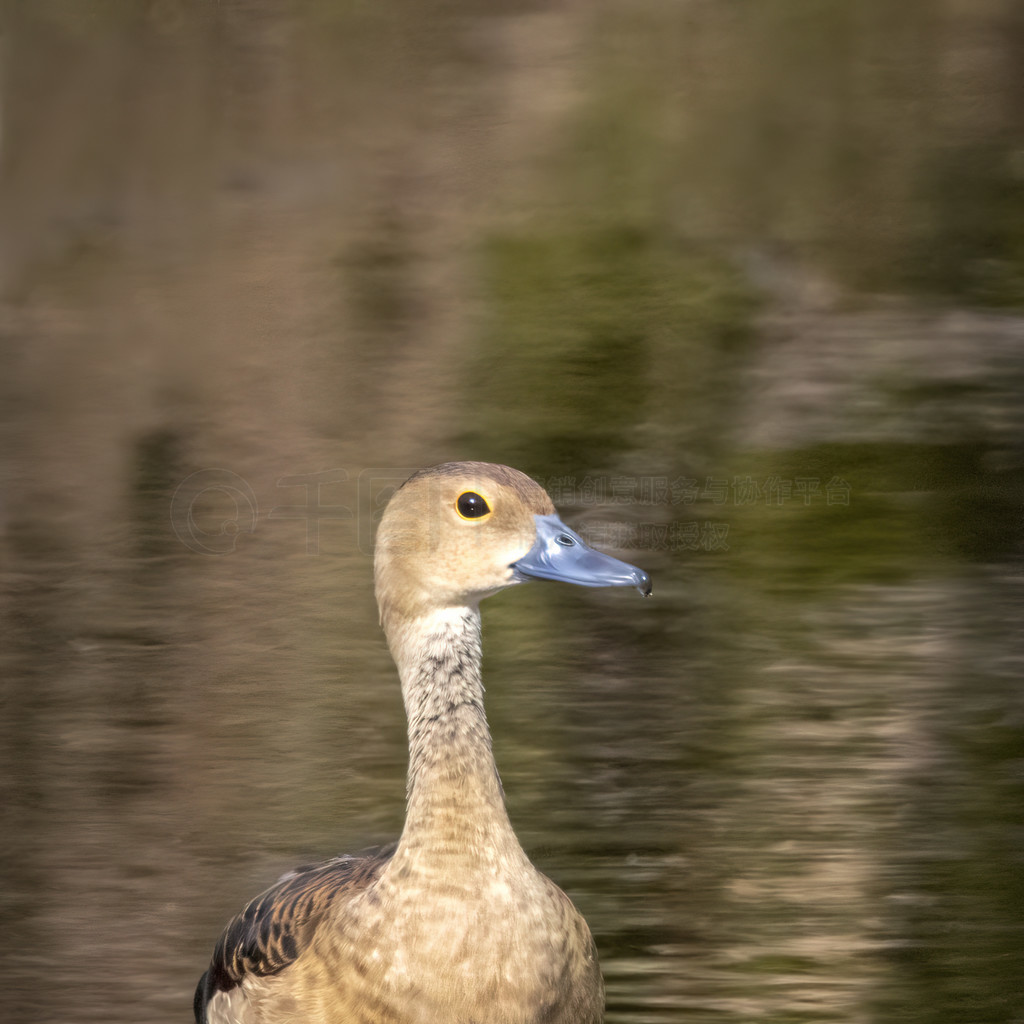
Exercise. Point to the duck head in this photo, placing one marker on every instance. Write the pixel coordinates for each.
(457, 533)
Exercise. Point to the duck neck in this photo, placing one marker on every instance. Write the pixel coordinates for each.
(455, 799)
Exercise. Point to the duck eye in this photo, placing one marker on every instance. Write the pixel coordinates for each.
(471, 505)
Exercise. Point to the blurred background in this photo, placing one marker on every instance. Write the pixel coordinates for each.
(740, 281)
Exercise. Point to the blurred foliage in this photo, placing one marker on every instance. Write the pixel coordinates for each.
(881, 141)
(593, 331)
(156, 471)
(974, 246)
(895, 511)
(958, 895)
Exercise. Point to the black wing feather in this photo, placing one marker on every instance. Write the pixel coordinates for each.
(273, 928)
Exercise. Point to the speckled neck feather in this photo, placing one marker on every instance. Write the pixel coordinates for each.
(455, 796)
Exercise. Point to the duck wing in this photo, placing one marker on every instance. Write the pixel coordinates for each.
(273, 929)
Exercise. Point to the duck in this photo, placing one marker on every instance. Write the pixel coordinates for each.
(452, 923)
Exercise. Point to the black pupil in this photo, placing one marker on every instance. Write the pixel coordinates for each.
(471, 505)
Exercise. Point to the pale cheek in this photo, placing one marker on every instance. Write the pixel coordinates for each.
(479, 561)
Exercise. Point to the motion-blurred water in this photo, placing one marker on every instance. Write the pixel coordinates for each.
(740, 284)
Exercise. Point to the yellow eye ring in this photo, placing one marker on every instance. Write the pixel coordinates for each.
(471, 505)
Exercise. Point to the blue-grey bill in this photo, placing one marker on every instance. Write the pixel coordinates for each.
(562, 554)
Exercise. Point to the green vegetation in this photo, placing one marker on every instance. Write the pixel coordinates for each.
(591, 330)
